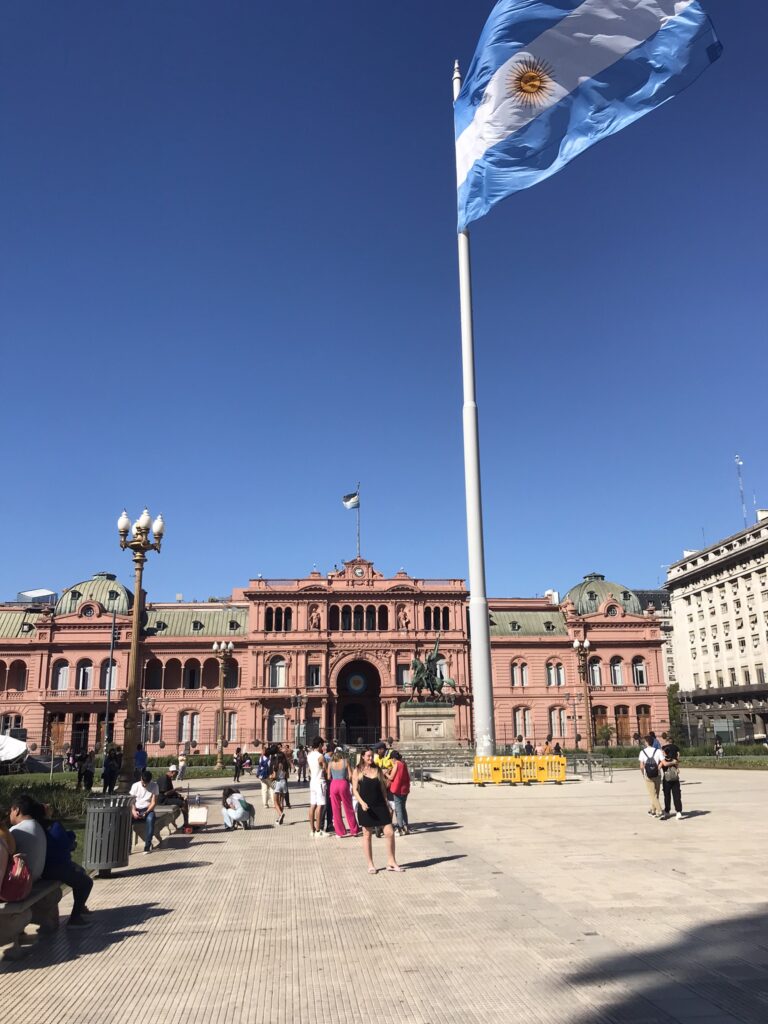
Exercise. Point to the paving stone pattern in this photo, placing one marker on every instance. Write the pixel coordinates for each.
(543, 904)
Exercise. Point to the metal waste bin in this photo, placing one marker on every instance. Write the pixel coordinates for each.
(107, 833)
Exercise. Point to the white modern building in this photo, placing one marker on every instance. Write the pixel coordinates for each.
(719, 601)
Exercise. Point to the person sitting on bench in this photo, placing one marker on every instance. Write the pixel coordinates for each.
(169, 795)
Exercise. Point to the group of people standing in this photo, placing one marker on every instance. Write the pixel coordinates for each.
(660, 768)
(349, 796)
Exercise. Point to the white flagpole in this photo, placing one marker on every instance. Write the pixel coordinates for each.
(480, 640)
(358, 519)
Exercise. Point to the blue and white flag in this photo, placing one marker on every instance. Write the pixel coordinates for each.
(551, 77)
(351, 500)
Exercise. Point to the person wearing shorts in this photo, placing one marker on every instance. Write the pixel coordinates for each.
(317, 786)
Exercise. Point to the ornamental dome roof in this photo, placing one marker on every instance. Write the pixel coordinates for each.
(103, 588)
(595, 589)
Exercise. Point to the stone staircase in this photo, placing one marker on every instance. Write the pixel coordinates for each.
(421, 758)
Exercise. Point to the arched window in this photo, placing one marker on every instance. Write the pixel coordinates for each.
(333, 617)
(427, 618)
(370, 617)
(192, 677)
(435, 618)
(60, 676)
(84, 674)
(441, 668)
(108, 675)
(638, 672)
(446, 619)
(278, 620)
(153, 674)
(276, 726)
(231, 674)
(519, 673)
(617, 676)
(17, 676)
(643, 719)
(557, 722)
(288, 620)
(522, 722)
(595, 673)
(269, 620)
(172, 674)
(189, 726)
(383, 617)
(277, 673)
(623, 729)
(153, 728)
(357, 618)
(559, 674)
(599, 718)
(550, 674)
(346, 617)
(230, 726)
(8, 722)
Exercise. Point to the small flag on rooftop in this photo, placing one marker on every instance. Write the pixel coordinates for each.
(552, 77)
(351, 500)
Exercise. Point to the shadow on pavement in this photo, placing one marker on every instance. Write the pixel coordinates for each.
(717, 972)
(431, 861)
(108, 928)
(694, 814)
(435, 826)
(156, 869)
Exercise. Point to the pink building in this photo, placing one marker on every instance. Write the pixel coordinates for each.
(326, 653)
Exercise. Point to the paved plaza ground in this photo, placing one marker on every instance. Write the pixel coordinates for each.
(540, 904)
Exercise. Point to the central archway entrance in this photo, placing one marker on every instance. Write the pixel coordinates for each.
(358, 705)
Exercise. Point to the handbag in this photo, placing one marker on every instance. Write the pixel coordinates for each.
(17, 881)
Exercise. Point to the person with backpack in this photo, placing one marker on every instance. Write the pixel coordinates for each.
(650, 768)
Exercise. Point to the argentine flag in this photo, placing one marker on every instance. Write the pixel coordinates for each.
(552, 77)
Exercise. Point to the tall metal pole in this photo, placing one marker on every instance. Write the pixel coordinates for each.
(109, 681)
(358, 518)
(739, 464)
(480, 643)
(125, 779)
(222, 656)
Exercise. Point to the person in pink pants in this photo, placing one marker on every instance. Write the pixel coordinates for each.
(338, 775)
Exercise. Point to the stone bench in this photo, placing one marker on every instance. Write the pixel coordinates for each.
(165, 817)
(41, 907)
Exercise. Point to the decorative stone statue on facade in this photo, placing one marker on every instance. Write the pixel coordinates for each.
(314, 617)
(403, 620)
(426, 676)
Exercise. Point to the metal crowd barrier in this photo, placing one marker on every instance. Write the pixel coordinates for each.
(514, 770)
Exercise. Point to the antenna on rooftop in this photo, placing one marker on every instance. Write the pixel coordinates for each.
(739, 464)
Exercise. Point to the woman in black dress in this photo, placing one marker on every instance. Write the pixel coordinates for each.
(373, 810)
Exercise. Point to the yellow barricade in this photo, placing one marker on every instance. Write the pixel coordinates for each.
(518, 769)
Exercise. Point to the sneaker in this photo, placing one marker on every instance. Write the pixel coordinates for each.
(145, 852)
(679, 815)
(664, 816)
(76, 921)
(281, 819)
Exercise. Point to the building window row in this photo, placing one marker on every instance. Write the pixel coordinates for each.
(437, 619)
(358, 617)
(278, 620)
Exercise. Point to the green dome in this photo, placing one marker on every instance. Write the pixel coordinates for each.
(595, 589)
(103, 588)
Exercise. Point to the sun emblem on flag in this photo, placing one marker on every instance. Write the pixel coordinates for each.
(530, 82)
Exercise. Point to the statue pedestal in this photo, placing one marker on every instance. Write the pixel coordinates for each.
(427, 725)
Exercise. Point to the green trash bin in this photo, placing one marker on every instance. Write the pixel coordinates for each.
(107, 833)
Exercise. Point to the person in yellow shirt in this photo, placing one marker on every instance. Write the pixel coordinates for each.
(383, 756)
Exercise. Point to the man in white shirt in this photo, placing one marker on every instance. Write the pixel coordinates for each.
(144, 794)
(317, 786)
(650, 768)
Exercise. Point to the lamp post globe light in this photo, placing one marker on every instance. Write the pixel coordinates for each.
(582, 648)
(145, 536)
(223, 652)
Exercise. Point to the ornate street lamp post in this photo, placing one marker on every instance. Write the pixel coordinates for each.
(581, 647)
(223, 652)
(145, 536)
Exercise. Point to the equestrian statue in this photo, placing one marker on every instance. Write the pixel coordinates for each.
(425, 676)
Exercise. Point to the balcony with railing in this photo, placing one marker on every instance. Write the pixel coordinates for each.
(90, 694)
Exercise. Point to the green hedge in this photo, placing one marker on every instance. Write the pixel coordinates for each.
(755, 750)
(65, 801)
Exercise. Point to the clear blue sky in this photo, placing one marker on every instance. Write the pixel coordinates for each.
(228, 289)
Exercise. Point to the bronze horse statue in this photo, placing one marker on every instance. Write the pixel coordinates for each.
(426, 677)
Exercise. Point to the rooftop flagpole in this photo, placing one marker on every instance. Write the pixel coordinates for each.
(358, 519)
(480, 642)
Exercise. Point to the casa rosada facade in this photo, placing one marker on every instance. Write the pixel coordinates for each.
(328, 654)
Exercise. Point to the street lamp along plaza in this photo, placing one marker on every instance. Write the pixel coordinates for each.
(145, 536)
(223, 651)
(582, 647)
